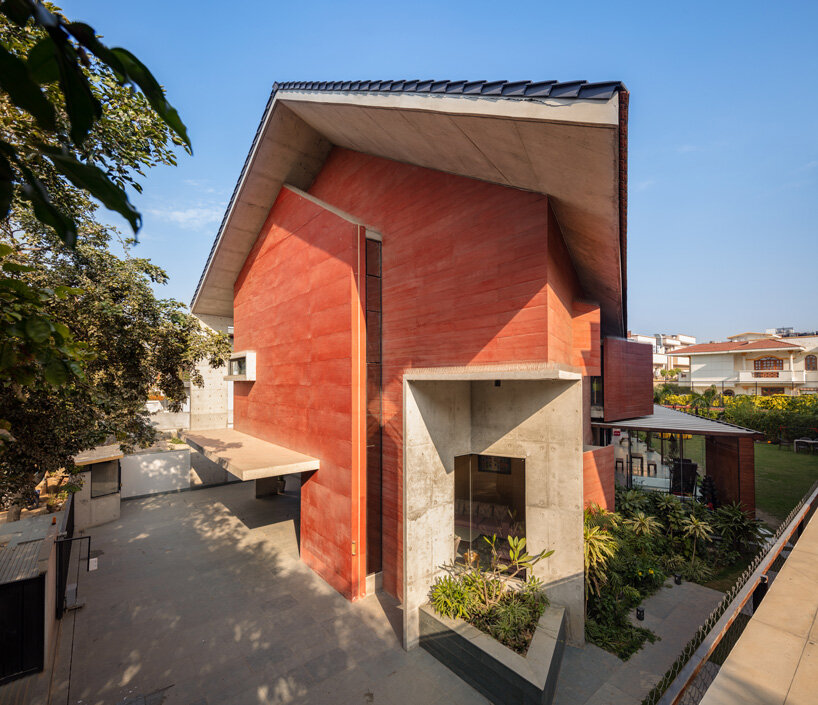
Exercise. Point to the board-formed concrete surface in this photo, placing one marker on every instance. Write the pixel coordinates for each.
(200, 597)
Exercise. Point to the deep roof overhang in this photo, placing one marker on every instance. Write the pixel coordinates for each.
(563, 140)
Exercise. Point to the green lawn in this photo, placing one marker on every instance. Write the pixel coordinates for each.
(724, 579)
(782, 478)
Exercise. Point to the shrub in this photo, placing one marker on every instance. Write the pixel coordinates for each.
(630, 501)
(779, 417)
(452, 596)
(622, 639)
(600, 547)
(513, 620)
(697, 571)
(673, 563)
(489, 598)
(735, 526)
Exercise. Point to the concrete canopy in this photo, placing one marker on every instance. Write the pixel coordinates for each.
(247, 457)
(571, 149)
(100, 454)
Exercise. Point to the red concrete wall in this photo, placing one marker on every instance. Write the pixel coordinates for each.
(587, 350)
(563, 289)
(473, 273)
(598, 477)
(747, 473)
(628, 379)
(297, 305)
(730, 461)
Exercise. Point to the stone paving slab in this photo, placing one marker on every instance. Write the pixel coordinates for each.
(200, 599)
(591, 676)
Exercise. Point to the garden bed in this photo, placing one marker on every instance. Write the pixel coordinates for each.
(630, 553)
(499, 673)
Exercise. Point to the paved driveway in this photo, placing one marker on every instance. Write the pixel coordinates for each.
(200, 598)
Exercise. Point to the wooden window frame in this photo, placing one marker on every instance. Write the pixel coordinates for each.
(811, 363)
(768, 363)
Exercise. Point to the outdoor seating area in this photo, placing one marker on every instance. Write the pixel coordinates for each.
(650, 461)
(810, 444)
(644, 460)
(672, 452)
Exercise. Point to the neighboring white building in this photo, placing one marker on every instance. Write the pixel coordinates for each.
(211, 406)
(756, 363)
(664, 352)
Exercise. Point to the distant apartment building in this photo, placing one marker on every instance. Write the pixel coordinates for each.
(665, 355)
(778, 361)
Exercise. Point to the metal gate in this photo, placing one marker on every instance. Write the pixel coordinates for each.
(64, 555)
(22, 627)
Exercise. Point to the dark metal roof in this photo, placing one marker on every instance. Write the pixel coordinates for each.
(20, 544)
(674, 421)
(577, 90)
(519, 90)
(20, 561)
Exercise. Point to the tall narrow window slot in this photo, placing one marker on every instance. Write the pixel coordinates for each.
(374, 408)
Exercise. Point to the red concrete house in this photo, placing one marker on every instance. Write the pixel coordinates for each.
(427, 281)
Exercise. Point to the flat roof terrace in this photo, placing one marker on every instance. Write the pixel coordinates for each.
(248, 457)
(775, 662)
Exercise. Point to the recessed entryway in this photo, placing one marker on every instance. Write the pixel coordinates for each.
(481, 456)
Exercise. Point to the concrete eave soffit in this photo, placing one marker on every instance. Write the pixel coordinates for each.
(566, 149)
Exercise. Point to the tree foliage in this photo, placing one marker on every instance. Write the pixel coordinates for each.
(780, 417)
(59, 86)
(83, 338)
(132, 343)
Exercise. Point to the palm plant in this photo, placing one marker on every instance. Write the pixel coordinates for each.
(670, 508)
(643, 524)
(666, 504)
(631, 501)
(600, 547)
(734, 525)
(704, 401)
(698, 530)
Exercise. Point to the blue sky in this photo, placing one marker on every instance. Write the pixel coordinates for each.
(723, 124)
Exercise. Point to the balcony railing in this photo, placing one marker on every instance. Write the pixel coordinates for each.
(787, 376)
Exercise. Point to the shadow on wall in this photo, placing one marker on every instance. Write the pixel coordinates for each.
(187, 598)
